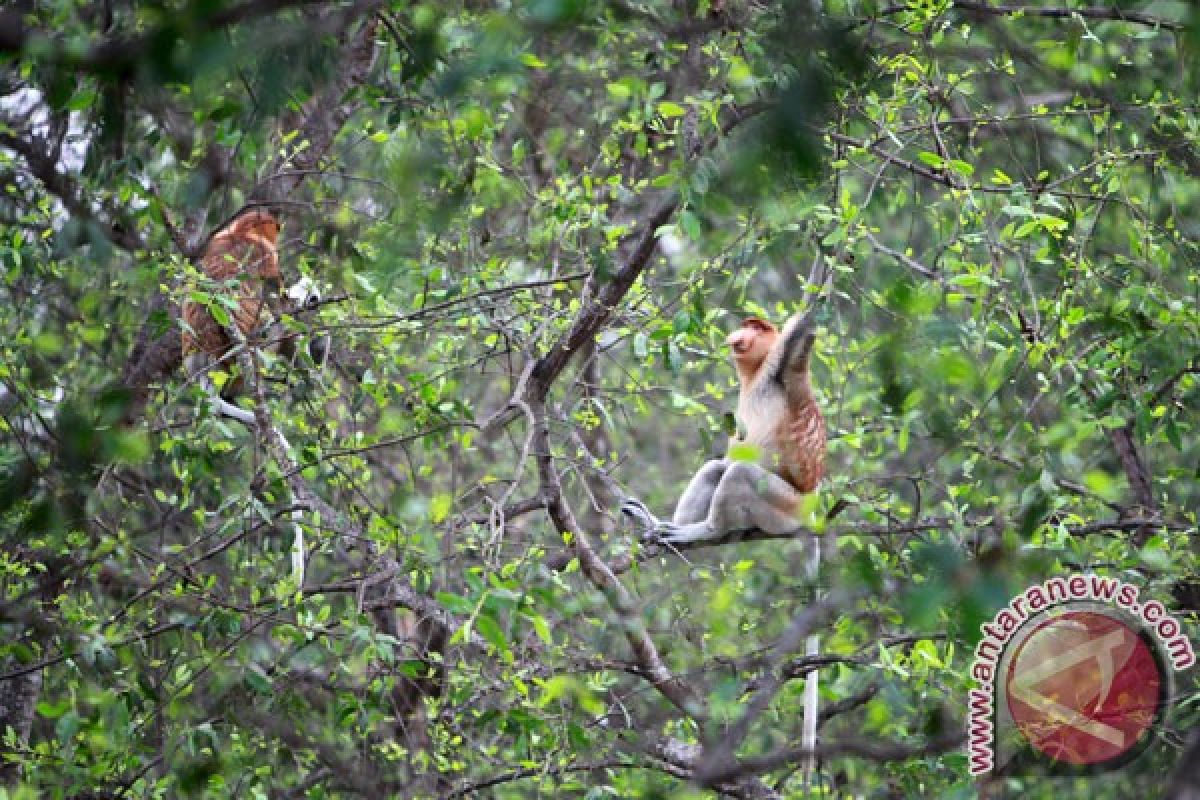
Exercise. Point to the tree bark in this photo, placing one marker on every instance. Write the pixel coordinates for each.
(18, 703)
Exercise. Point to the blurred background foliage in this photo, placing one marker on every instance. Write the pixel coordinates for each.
(992, 211)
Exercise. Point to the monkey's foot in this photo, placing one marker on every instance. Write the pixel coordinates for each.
(670, 533)
(639, 515)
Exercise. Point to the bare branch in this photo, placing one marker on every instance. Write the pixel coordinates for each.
(858, 746)
(719, 756)
(1115, 14)
(645, 652)
(45, 167)
(903, 258)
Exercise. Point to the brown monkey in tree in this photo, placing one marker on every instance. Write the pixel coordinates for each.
(244, 250)
(777, 414)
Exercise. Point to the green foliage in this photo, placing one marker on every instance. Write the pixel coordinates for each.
(1002, 203)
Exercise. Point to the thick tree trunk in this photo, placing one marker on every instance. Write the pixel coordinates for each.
(18, 702)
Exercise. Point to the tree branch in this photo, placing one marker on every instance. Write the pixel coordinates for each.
(1115, 14)
(530, 396)
(652, 549)
(685, 759)
(539, 375)
(43, 165)
(1168, 386)
(858, 746)
(321, 118)
(718, 762)
(645, 652)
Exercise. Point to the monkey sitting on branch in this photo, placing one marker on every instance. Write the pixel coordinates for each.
(777, 415)
(244, 251)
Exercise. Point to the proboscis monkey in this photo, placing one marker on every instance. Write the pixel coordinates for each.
(244, 251)
(778, 415)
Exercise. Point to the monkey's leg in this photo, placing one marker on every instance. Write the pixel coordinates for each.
(223, 406)
(198, 364)
(693, 506)
(747, 497)
(753, 497)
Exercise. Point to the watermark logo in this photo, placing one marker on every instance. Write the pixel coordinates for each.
(1084, 688)
(1077, 670)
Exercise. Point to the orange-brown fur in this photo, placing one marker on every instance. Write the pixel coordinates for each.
(783, 420)
(245, 249)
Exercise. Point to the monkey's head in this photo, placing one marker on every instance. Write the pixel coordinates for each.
(751, 342)
(258, 222)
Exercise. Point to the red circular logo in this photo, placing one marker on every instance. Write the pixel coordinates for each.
(1084, 688)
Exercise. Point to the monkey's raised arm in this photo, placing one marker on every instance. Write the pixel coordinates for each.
(787, 363)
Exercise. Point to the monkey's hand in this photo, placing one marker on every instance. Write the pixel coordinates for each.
(798, 336)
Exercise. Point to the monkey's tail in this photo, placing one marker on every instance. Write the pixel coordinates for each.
(298, 553)
(297, 516)
(808, 730)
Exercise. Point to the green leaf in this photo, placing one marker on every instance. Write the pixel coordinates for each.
(641, 345)
(83, 99)
(257, 681)
(53, 710)
(67, 726)
(668, 109)
(454, 603)
(541, 628)
(1027, 228)
(490, 630)
(620, 91)
(439, 507)
(932, 159)
(744, 451)
(690, 224)
(962, 167)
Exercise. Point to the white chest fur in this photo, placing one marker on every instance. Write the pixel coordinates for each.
(759, 412)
